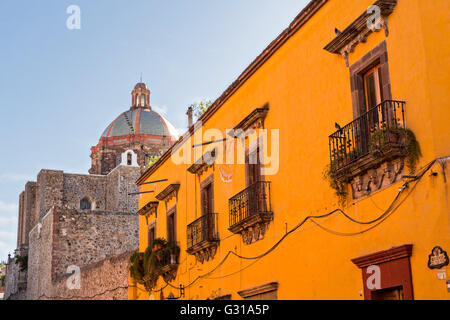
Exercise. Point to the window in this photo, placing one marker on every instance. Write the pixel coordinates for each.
(171, 226)
(372, 85)
(207, 196)
(129, 159)
(151, 234)
(85, 204)
(388, 294)
(253, 168)
(369, 80)
(142, 100)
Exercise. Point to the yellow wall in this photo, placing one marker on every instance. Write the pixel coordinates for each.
(308, 90)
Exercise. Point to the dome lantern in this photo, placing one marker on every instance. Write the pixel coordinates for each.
(140, 96)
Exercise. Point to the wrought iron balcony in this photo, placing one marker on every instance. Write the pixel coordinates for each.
(202, 233)
(251, 206)
(355, 140)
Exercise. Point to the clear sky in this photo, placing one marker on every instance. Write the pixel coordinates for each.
(60, 88)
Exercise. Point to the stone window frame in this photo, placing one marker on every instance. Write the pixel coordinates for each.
(209, 181)
(170, 212)
(377, 56)
(90, 201)
(151, 226)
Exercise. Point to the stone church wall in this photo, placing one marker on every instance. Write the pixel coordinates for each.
(56, 233)
(103, 280)
(40, 256)
(69, 237)
(78, 186)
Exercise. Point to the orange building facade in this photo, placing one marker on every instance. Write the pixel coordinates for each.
(321, 173)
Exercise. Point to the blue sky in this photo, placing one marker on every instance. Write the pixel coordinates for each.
(60, 88)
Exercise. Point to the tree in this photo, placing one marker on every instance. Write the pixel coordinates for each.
(200, 108)
(152, 160)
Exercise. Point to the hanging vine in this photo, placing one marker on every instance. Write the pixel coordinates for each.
(147, 267)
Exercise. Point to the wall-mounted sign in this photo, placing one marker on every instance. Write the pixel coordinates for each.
(438, 258)
(441, 275)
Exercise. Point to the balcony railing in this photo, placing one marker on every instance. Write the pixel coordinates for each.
(255, 200)
(352, 142)
(202, 230)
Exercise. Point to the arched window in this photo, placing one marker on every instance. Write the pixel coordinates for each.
(85, 204)
(129, 159)
(142, 100)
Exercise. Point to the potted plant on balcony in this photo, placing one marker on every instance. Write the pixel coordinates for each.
(158, 244)
(174, 251)
(381, 139)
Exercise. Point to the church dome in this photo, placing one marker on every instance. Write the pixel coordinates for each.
(140, 121)
(140, 129)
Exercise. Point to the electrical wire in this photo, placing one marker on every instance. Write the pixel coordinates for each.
(391, 209)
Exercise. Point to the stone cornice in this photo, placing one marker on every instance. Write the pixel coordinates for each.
(169, 192)
(201, 165)
(384, 256)
(254, 120)
(358, 31)
(149, 209)
(272, 286)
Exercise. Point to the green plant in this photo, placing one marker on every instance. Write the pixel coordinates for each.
(173, 249)
(22, 261)
(339, 187)
(200, 108)
(137, 266)
(152, 160)
(154, 259)
(381, 138)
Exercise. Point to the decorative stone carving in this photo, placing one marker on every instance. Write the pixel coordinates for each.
(377, 178)
(255, 120)
(206, 254)
(358, 31)
(168, 193)
(254, 233)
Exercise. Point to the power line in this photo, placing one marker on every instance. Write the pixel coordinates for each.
(391, 209)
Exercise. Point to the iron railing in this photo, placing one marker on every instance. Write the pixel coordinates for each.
(352, 142)
(203, 229)
(253, 200)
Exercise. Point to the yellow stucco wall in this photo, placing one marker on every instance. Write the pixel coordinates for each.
(308, 90)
